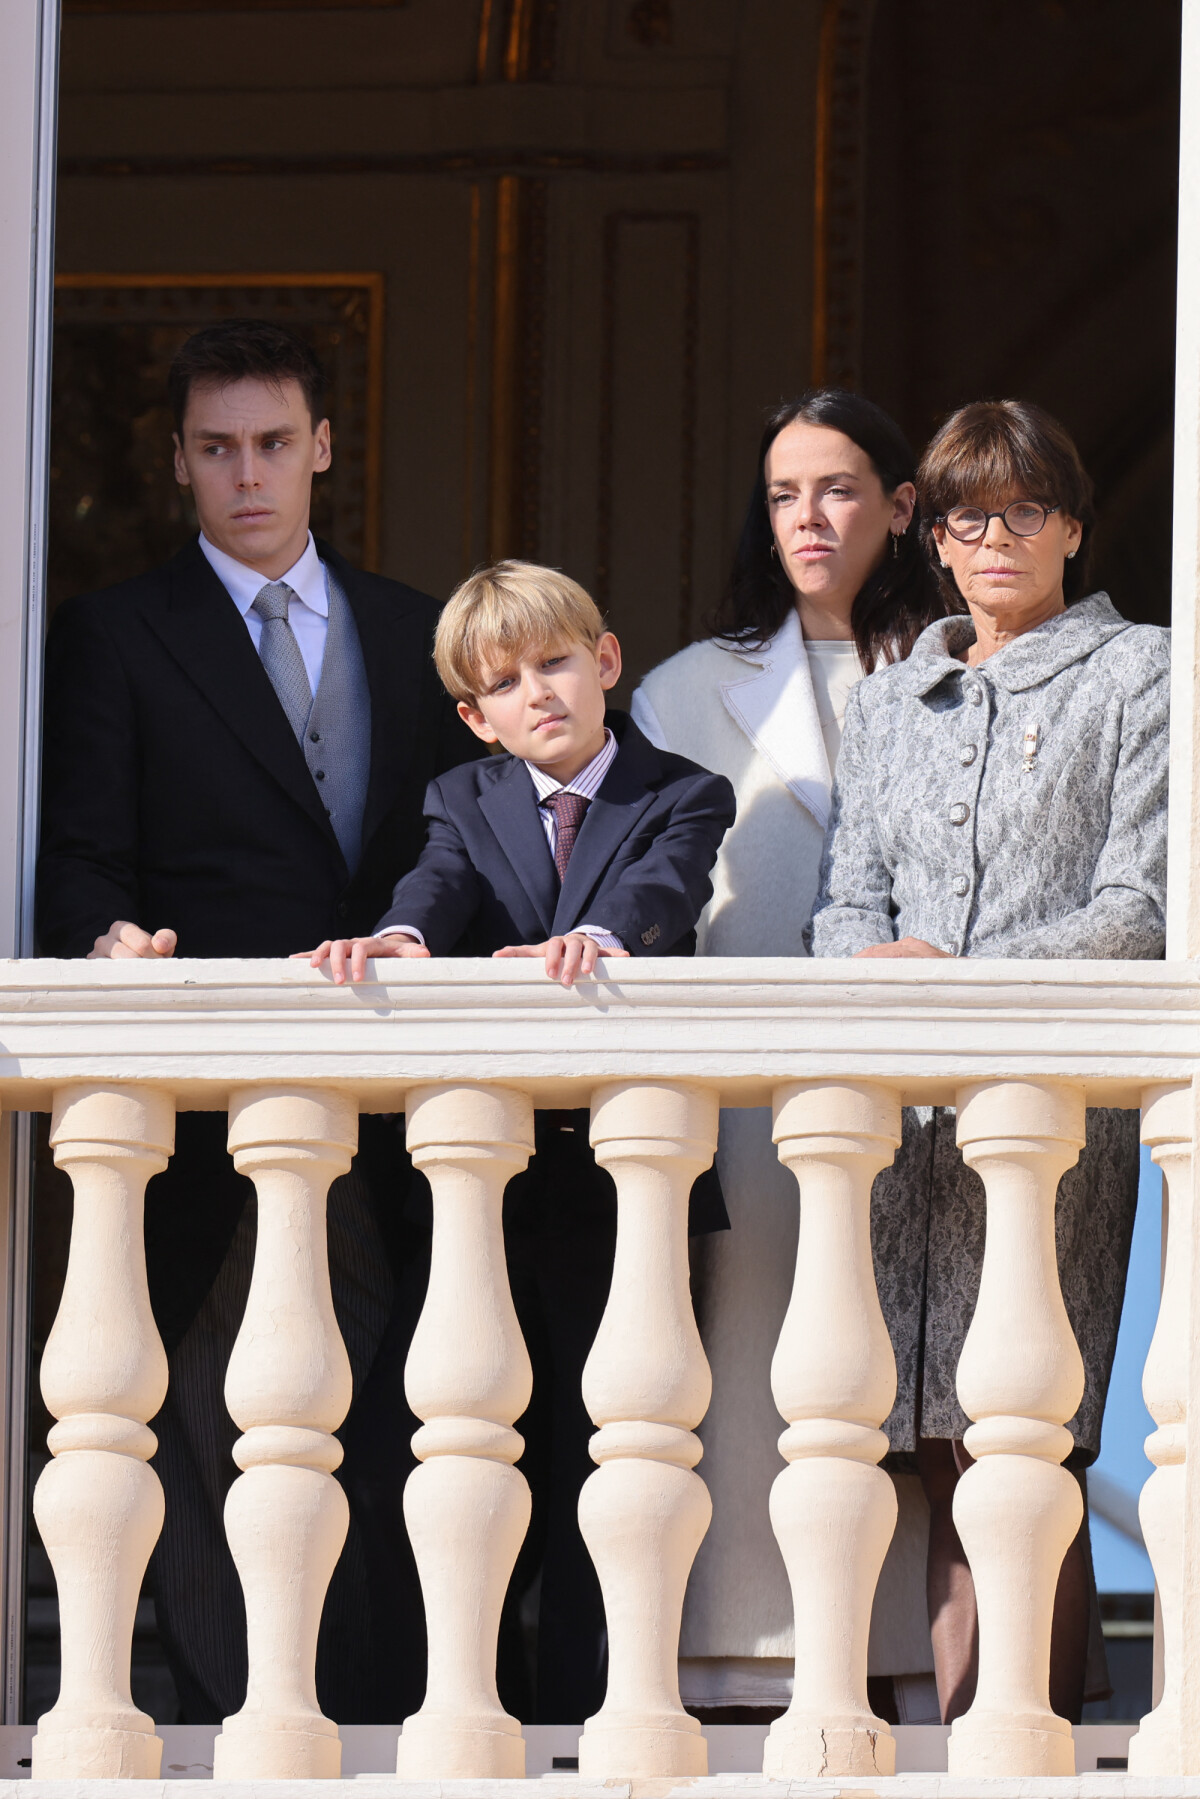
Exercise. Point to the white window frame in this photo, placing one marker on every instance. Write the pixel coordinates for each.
(29, 37)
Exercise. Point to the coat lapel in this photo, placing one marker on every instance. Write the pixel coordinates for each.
(201, 628)
(776, 708)
(510, 807)
(625, 793)
(394, 651)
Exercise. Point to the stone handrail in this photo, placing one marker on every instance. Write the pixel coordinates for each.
(466, 1050)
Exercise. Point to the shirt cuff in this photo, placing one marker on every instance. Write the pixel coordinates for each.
(403, 930)
(604, 939)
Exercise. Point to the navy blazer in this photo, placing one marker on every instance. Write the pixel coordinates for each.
(640, 867)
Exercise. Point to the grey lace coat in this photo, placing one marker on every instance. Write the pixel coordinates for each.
(1014, 809)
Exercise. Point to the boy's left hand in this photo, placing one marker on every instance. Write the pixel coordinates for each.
(566, 957)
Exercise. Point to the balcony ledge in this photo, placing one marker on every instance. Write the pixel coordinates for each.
(1104, 1785)
(744, 1025)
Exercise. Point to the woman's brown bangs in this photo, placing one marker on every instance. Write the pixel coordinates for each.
(988, 467)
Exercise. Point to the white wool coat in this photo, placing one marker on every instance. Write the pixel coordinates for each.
(751, 715)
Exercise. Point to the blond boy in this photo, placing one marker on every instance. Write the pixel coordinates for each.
(581, 840)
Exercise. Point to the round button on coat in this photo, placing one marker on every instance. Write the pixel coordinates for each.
(961, 886)
(959, 813)
(968, 753)
(975, 695)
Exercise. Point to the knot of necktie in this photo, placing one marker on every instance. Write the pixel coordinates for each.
(272, 600)
(569, 810)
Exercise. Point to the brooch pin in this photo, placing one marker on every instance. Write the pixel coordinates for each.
(1031, 747)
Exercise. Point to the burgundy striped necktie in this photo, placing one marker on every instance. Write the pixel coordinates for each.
(568, 810)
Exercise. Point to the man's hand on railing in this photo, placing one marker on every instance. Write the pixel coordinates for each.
(360, 950)
(907, 946)
(124, 939)
(566, 957)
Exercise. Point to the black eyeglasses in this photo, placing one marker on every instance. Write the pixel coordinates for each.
(1024, 518)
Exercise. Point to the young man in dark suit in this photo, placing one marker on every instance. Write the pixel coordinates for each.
(583, 840)
(236, 749)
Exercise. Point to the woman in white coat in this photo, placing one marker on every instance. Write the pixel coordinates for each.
(829, 581)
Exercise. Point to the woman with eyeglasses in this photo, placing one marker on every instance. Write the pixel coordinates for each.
(1026, 817)
(829, 580)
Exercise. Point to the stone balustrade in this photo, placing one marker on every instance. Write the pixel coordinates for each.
(467, 1050)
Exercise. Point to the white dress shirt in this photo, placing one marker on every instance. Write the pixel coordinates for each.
(836, 669)
(587, 785)
(309, 618)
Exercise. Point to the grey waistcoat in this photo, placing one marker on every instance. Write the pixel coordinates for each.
(337, 737)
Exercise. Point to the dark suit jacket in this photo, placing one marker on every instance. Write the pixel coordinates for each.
(640, 868)
(174, 792)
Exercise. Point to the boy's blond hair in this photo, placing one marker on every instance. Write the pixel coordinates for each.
(500, 612)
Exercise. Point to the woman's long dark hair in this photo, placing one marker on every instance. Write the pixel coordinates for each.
(895, 603)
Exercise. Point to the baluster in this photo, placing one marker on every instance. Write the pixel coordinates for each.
(646, 1384)
(99, 1508)
(1168, 1742)
(834, 1380)
(467, 1377)
(287, 1388)
(1020, 1378)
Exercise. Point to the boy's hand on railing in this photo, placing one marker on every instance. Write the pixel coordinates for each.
(566, 957)
(359, 950)
(123, 940)
(907, 946)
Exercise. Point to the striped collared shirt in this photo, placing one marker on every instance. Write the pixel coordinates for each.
(586, 784)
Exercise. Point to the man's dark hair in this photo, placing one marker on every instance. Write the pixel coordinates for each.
(240, 350)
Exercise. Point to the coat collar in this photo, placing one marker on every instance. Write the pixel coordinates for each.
(776, 708)
(1026, 662)
(509, 804)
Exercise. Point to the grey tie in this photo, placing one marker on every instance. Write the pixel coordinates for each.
(281, 655)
